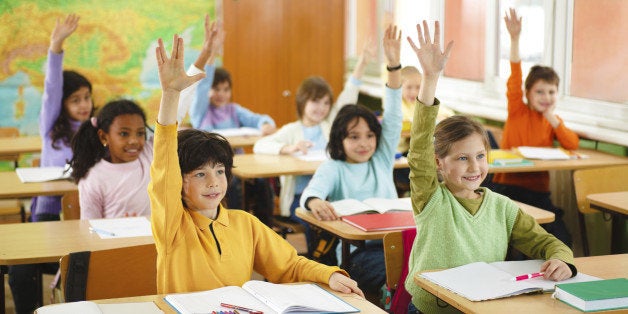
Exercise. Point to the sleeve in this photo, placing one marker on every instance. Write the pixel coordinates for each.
(200, 103)
(91, 201)
(322, 183)
(532, 240)
(567, 138)
(349, 95)
(251, 119)
(164, 188)
(514, 89)
(391, 125)
(272, 144)
(53, 93)
(284, 265)
(187, 95)
(423, 178)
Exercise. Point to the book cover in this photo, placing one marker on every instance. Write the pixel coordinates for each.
(371, 205)
(43, 174)
(261, 296)
(506, 158)
(381, 222)
(595, 295)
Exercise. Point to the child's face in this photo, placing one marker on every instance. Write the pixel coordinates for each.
(410, 87)
(205, 187)
(360, 143)
(221, 94)
(315, 111)
(79, 104)
(465, 166)
(126, 138)
(542, 96)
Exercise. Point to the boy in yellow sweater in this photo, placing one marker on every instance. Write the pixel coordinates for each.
(200, 244)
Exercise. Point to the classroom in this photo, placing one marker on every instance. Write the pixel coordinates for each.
(269, 49)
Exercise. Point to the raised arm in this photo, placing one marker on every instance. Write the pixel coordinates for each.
(62, 31)
(392, 49)
(369, 53)
(431, 58)
(513, 25)
(173, 79)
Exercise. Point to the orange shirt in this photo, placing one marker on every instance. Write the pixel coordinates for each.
(527, 127)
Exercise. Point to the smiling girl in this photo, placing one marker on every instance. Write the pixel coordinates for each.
(111, 162)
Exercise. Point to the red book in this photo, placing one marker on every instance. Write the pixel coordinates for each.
(381, 222)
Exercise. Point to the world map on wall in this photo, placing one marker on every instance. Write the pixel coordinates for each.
(114, 47)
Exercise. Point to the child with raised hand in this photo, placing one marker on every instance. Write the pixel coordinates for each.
(532, 124)
(66, 103)
(200, 244)
(458, 222)
(111, 162)
(314, 102)
(362, 151)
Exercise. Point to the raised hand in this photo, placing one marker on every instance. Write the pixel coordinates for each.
(172, 75)
(62, 31)
(513, 24)
(429, 52)
(392, 45)
(213, 32)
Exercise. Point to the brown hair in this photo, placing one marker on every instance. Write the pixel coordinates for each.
(539, 72)
(454, 129)
(312, 88)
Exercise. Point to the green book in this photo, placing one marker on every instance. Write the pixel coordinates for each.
(596, 295)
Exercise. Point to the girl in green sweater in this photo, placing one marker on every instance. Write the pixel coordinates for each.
(458, 222)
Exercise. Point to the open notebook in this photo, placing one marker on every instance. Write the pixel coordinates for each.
(371, 205)
(43, 174)
(263, 297)
(483, 281)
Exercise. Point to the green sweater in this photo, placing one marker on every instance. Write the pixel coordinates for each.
(455, 231)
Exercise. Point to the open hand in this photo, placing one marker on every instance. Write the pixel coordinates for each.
(62, 31)
(429, 53)
(392, 45)
(513, 24)
(171, 72)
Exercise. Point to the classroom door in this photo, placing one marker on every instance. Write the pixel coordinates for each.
(272, 45)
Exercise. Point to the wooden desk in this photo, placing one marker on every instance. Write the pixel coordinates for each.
(615, 203)
(362, 304)
(252, 166)
(242, 141)
(46, 242)
(12, 187)
(606, 266)
(349, 233)
(595, 159)
(20, 145)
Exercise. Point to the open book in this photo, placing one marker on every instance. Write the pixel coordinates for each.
(261, 296)
(547, 153)
(482, 281)
(244, 131)
(43, 174)
(374, 205)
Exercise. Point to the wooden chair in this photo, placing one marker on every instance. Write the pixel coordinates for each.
(395, 259)
(114, 273)
(597, 180)
(70, 206)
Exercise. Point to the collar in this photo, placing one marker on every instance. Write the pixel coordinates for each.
(203, 222)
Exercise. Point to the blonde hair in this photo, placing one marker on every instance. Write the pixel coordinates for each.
(408, 71)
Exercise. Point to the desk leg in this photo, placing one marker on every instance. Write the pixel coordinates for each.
(3, 270)
(346, 251)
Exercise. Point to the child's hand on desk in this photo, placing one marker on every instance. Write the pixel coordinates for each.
(322, 210)
(341, 283)
(556, 270)
(300, 146)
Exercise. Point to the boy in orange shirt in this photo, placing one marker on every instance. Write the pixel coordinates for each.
(532, 124)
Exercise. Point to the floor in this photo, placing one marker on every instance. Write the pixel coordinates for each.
(296, 239)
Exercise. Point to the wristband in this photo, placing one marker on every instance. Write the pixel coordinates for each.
(391, 69)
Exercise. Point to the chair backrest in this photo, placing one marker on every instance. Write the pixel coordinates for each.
(70, 206)
(116, 273)
(494, 134)
(598, 180)
(393, 257)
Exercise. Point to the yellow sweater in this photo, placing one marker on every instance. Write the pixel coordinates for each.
(197, 253)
